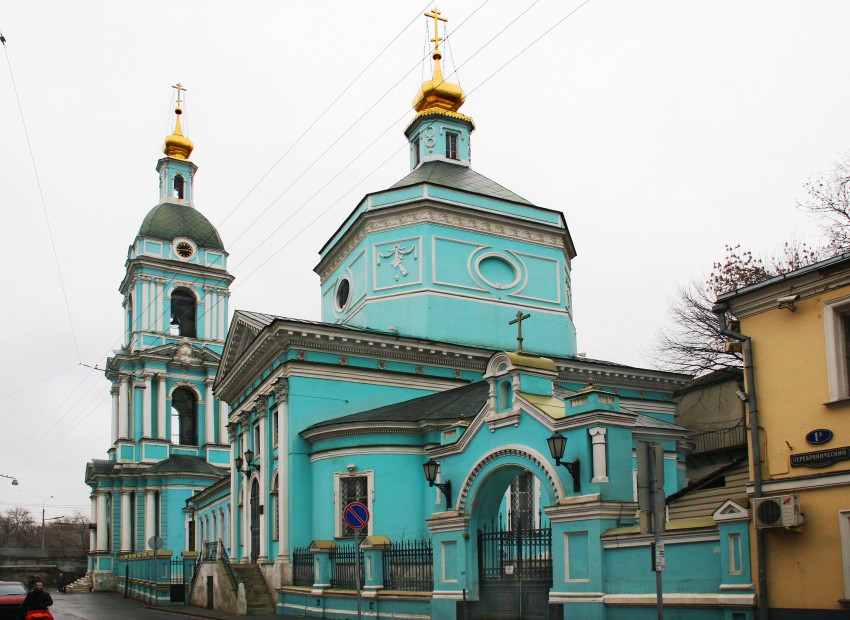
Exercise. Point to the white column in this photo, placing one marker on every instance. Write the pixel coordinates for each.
(93, 519)
(126, 533)
(147, 413)
(150, 515)
(102, 523)
(282, 393)
(265, 471)
(160, 406)
(145, 284)
(123, 414)
(246, 498)
(223, 298)
(115, 415)
(208, 309)
(600, 465)
(222, 421)
(209, 409)
(234, 498)
(160, 284)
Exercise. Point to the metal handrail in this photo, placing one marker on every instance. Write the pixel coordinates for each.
(225, 560)
(720, 439)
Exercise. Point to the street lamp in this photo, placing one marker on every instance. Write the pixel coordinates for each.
(557, 445)
(431, 475)
(12, 478)
(248, 461)
(42, 520)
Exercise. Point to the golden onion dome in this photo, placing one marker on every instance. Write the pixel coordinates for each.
(438, 94)
(177, 145)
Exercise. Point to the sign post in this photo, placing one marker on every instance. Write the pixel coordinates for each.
(650, 463)
(356, 516)
(155, 543)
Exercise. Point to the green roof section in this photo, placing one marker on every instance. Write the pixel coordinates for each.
(443, 407)
(185, 464)
(169, 220)
(458, 177)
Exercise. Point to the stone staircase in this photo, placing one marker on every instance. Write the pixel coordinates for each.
(257, 593)
(83, 584)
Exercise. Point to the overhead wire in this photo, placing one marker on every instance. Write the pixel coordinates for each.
(41, 197)
(321, 214)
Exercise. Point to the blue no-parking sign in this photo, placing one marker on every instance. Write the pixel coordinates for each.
(356, 515)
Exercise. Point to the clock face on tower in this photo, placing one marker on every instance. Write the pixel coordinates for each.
(184, 249)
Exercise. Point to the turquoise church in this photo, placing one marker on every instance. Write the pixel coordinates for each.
(441, 390)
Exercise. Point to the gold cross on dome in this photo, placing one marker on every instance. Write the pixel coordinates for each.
(520, 317)
(179, 88)
(435, 15)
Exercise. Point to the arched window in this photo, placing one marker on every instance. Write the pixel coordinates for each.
(183, 313)
(504, 395)
(179, 185)
(129, 317)
(274, 502)
(184, 417)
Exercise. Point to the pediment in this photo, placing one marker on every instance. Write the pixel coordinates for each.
(731, 511)
(244, 328)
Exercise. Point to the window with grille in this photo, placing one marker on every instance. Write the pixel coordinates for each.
(522, 502)
(351, 489)
(451, 145)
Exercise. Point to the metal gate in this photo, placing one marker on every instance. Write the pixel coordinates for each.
(179, 579)
(515, 572)
(255, 521)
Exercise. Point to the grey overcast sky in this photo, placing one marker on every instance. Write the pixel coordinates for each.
(663, 130)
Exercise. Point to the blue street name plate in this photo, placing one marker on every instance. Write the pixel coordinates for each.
(821, 458)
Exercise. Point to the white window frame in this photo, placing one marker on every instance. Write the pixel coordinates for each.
(736, 555)
(836, 353)
(370, 496)
(844, 531)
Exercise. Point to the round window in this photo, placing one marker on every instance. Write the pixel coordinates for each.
(497, 271)
(343, 292)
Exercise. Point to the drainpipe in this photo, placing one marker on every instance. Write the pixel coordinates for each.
(755, 443)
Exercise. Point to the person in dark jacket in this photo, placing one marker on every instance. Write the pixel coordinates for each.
(37, 598)
(60, 583)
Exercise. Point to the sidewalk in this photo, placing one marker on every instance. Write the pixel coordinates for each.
(202, 612)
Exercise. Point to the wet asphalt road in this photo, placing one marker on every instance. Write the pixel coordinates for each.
(103, 606)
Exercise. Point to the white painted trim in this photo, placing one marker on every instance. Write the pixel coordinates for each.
(802, 484)
(417, 241)
(669, 538)
(576, 597)
(365, 451)
(836, 365)
(844, 530)
(683, 600)
(369, 474)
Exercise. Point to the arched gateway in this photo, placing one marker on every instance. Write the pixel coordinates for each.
(506, 495)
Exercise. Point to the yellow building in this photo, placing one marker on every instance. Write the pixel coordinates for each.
(795, 333)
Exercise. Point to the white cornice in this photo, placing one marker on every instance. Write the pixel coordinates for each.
(443, 213)
(366, 451)
(809, 283)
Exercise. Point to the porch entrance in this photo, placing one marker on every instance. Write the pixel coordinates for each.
(515, 570)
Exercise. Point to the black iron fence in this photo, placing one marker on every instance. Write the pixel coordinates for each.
(343, 567)
(302, 567)
(409, 565)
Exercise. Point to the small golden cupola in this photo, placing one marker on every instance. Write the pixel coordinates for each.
(177, 145)
(437, 94)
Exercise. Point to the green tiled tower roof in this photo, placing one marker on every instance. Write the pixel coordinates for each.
(169, 220)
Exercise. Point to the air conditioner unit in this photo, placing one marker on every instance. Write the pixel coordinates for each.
(779, 511)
